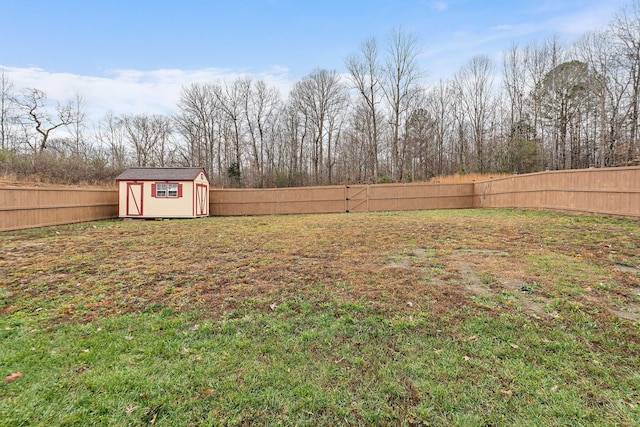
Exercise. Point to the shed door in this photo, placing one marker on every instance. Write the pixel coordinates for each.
(134, 198)
(202, 200)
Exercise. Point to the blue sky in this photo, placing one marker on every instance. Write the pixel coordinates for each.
(132, 56)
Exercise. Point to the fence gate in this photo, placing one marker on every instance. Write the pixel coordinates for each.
(357, 198)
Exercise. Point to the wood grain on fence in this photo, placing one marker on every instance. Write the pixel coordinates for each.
(608, 191)
(38, 207)
(335, 199)
(276, 201)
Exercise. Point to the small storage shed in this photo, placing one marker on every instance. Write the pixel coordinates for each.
(163, 193)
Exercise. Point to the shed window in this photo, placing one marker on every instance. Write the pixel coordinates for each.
(163, 189)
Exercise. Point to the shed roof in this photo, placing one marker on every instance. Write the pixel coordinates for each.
(160, 174)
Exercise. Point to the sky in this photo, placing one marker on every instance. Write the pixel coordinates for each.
(134, 56)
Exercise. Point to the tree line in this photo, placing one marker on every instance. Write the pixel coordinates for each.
(545, 105)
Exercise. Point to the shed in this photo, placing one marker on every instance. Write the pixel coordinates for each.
(163, 193)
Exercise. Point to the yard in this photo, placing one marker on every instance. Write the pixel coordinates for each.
(469, 317)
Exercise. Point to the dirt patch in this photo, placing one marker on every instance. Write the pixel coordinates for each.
(470, 279)
(628, 306)
(489, 272)
(530, 299)
(627, 269)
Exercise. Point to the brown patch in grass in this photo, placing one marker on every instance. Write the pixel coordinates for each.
(395, 263)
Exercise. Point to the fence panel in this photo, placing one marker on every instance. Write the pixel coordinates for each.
(402, 197)
(609, 191)
(37, 207)
(276, 201)
(335, 199)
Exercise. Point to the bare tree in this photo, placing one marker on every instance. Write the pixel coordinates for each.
(199, 123)
(365, 72)
(149, 136)
(401, 77)
(39, 122)
(294, 131)
(77, 126)
(230, 100)
(515, 82)
(438, 104)
(260, 107)
(8, 113)
(475, 83)
(626, 29)
(110, 133)
(320, 98)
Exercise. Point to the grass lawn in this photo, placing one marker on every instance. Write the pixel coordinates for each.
(469, 318)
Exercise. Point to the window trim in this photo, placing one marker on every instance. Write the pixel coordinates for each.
(167, 190)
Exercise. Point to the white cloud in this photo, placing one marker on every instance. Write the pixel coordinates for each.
(132, 91)
(592, 18)
(440, 6)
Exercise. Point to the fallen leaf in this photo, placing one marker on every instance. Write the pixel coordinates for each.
(128, 338)
(144, 395)
(13, 377)
(184, 351)
(273, 306)
(153, 420)
(195, 327)
(507, 393)
(555, 388)
(409, 303)
(206, 392)
(466, 358)
(473, 338)
(514, 346)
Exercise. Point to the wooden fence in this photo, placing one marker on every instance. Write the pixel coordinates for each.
(334, 199)
(611, 191)
(38, 207)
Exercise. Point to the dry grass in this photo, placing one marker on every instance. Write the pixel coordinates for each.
(387, 260)
(10, 180)
(492, 317)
